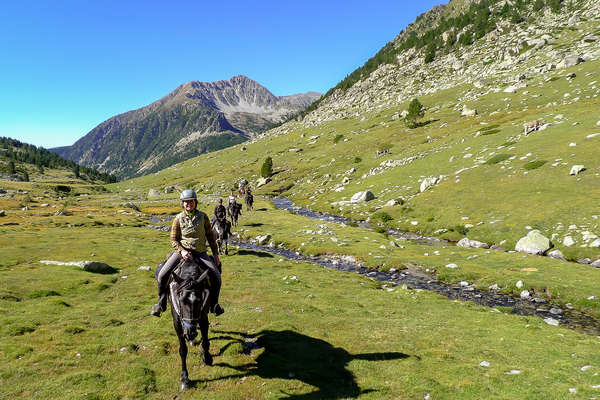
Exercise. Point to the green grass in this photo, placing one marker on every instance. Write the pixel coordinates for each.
(411, 342)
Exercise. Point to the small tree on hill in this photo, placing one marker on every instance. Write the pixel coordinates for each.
(415, 111)
(25, 176)
(267, 168)
(11, 167)
(76, 171)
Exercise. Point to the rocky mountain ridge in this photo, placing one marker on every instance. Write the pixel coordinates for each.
(512, 55)
(196, 117)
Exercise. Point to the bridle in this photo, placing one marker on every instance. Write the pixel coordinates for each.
(179, 287)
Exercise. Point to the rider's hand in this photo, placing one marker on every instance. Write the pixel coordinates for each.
(185, 254)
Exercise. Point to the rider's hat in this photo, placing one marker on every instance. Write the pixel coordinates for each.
(188, 194)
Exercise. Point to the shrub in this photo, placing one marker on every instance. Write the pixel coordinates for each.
(267, 168)
(498, 158)
(382, 216)
(463, 230)
(337, 138)
(357, 160)
(42, 293)
(534, 164)
(415, 111)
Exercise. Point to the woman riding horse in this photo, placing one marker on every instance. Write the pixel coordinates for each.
(189, 233)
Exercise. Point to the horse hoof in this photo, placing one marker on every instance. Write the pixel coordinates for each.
(208, 360)
(184, 386)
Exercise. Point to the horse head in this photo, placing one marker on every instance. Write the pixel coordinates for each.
(190, 295)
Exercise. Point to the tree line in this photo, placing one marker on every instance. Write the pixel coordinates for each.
(14, 150)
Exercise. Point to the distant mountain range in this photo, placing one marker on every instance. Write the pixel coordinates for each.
(195, 118)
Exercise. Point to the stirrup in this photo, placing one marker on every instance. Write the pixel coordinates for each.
(156, 310)
(218, 310)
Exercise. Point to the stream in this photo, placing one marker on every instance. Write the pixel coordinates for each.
(411, 278)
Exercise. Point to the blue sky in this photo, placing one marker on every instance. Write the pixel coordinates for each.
(66, 66)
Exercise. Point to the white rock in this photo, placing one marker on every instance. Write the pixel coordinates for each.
(586, 367)
(525, 294)
(551, 321)
(494, 287)
(464, 283)
(534, 243)
(595, 243)
(576, 169)
(519, 284)
(593, 135)
(484, 364)
(465, 242)
(429, 182)
(414, 223)
(145, 268)
(451, 266)
(557, 254)
(363, 196)
(572, 390)
(568, 241)
(514, 372)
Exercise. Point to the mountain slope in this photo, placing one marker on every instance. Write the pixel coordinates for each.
(195, 118)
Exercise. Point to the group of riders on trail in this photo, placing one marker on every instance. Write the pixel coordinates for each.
(190, 231)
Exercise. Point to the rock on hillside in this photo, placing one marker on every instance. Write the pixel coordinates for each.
(195, 118)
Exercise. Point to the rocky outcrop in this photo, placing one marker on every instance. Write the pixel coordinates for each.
(363, 196)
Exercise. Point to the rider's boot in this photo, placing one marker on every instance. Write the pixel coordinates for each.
(159, 307)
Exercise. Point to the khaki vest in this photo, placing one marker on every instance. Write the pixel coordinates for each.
(193, 236)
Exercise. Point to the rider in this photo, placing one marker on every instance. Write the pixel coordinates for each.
(232, 199)
(189, 233)
(220, 212)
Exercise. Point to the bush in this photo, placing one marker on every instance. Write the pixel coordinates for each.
(337, 138)
(498, 158)
(534, 164)
(382, 216)
(267, 168)
(357, 160)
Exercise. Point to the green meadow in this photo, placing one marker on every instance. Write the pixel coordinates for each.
(297, 330)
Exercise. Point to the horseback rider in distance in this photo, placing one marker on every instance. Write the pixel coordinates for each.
(189, 233)
(220, 212)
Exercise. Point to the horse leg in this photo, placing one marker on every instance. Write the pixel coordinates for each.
(185, 380)
(206, 357)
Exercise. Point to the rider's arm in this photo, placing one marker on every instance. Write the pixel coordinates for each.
(176, 236)
(210, 236)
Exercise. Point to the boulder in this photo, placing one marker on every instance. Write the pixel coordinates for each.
(595, 243)
(596, 264)
(534, 243)
(97, 267)
(467, 112)
(590, 38)
(363, 196)
(153, 193)
(262, 181)
(557, 254)
(568, 241)
(131, 205)
(263, 239)
(576, 169)
(569, 61)
(429, 182)
(466, 242)
(391, 203)
(2, 213)
(170, 189)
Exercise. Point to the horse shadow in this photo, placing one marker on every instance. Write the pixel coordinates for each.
(292, 355)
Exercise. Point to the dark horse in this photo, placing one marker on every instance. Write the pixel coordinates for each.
(189, 296)
(222, 229)
(234, 210)
(249, 201)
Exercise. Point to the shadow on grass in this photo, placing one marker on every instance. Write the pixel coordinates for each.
(261, 254)
(255, 224)
(291, 355)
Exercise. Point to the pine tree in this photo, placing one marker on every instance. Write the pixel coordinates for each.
(267, 168)
(415, 111)
(11, 167)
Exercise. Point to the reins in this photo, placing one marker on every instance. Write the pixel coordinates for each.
(184, 287)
